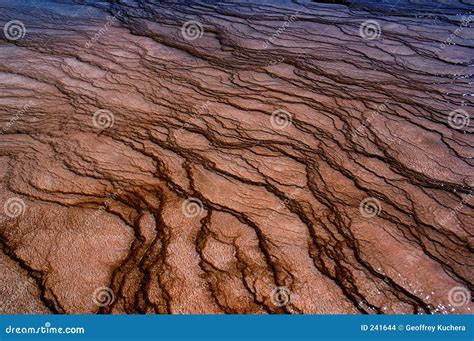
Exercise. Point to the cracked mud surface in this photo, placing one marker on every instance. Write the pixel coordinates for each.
(276, 161)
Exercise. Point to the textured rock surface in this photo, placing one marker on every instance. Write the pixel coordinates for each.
(279, 158)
